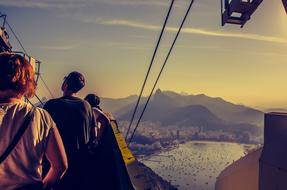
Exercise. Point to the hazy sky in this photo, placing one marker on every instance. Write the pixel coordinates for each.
(111, 42)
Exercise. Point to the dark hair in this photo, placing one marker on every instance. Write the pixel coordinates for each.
(93, 100)
(75, 81)
(16, 75)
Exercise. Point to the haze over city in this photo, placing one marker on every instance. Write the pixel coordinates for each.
(111, 42)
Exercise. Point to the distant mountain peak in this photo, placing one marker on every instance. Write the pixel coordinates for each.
(161, 97)
(158, 91)
(201, 95)
(159, 94)
(184, 93)
(166, 102)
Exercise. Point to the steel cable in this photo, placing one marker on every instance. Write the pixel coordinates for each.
(150, 65)
(162, 68)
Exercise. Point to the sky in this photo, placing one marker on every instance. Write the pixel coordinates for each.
(111, 42)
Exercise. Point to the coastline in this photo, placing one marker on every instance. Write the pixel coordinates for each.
(195, 164)
(247, 147)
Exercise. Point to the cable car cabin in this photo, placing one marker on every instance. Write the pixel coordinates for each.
(285, 5)
(4, 37)
(238, 11)
(4, 42)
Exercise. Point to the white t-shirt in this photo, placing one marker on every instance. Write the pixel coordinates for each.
(24, 164)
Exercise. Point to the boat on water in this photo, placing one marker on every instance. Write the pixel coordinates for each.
(262, 169)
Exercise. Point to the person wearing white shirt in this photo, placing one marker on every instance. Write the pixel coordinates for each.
(22, 167)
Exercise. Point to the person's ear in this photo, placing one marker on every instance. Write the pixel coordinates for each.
(64, 86)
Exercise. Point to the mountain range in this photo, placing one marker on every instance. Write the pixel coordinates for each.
(170, 108)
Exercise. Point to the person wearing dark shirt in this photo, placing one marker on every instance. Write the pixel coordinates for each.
(100, 117)
(76, 123)
(110, 170)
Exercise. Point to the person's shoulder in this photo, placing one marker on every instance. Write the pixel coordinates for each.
(88, 107)
(42, 112)
(86, 103)
(75, 98)
(81, 101)
(97, 110)
(39, 114)
(76, 101)
(43, 115)
(52, 101)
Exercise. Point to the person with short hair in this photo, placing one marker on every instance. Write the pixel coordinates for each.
(110, 171)
(94, 101)
(100, 116)
(22, 168)
(75, 120)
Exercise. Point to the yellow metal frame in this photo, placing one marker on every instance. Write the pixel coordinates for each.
(138, 174)
(126, 153)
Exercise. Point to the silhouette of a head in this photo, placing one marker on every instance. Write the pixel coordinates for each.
(74, 82)
(93, 100)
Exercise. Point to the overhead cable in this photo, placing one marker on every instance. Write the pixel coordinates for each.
(162, 68)
(22, 46)
(29, 102)
(150, 65)
(16, 36)
(40, 101)
(47, 87)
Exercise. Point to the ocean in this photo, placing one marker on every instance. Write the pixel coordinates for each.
(195, 165)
